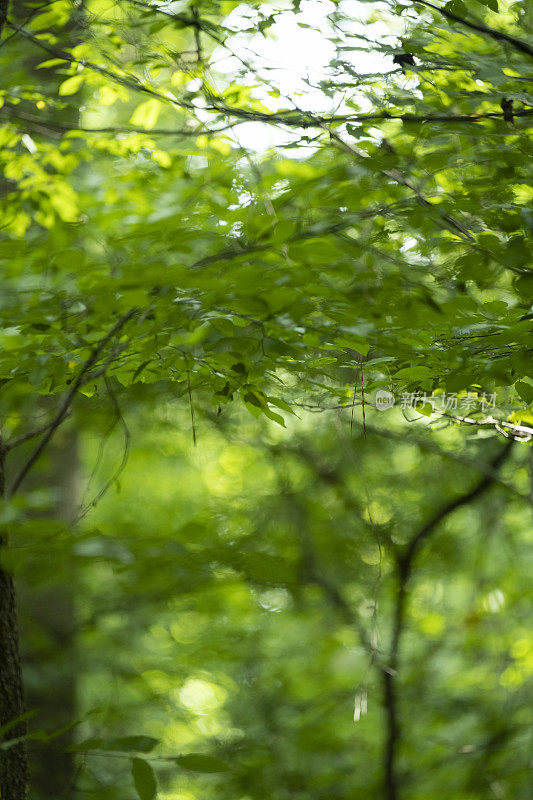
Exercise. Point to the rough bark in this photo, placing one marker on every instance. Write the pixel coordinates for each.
(13, 761)
(47, 630)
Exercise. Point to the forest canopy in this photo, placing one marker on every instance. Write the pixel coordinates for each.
(266, 399)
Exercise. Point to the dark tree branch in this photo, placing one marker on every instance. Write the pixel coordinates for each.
(26, 437)
(312, 574)
(4, 8)
(13, 761)
(197, 29)
(306, 121)
(405, 563)
(193, 22)
(480, 27)
(338, 601)
(252, 247)
(65, 405)
(50, 125)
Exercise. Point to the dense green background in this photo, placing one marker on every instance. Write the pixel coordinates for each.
(236, 577)
(202, 618)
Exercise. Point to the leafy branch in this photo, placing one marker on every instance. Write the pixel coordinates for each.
(310, 120)
(83, 377)
(480, 27)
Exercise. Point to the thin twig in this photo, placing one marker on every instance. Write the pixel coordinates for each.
(119, 417)
(353, 403)
(363, 396)
(191, 404)
(26, 437)
(65, 405)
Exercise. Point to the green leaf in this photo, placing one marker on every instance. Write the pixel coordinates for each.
(51, 62)
(93, 743)
(492, 4)
(413, 373)
(55, 17)
(276, 401)
(256, 398)
(323, 361)
(197, 762)
(142, 744)
(524, 285)
(283, 231)
(254, 410)
(525, 390)
(275, 417)
(146, 114)
(72, 84)
(456, 7)
(143, 778)
(265, 568)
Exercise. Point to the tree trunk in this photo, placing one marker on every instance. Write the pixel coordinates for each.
(51, 686)
(13, 761)
(47, 627)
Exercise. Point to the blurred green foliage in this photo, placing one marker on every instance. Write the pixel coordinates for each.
(321, 599)
(208, 613)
